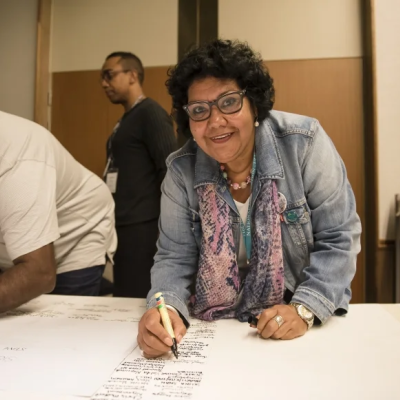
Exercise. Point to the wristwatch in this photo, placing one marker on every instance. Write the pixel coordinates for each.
(304, 313)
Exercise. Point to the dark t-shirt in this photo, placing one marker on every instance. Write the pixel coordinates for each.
(139, 148)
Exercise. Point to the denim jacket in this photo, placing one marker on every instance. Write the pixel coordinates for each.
(320, 227)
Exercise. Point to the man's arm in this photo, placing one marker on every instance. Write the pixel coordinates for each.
(29, 227)
(33, 274)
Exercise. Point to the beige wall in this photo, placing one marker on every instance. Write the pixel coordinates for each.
(18, 56)
(387, 45)
(86, 31)
(294, 29)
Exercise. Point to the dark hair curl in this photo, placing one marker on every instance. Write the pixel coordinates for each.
(223, 59)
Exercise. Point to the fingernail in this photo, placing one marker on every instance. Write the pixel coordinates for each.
(168, 341)
(179, 338)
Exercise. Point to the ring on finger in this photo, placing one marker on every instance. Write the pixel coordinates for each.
(279, 320)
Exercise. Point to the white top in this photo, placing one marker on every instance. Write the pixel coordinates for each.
(243, 209)
(47, 196)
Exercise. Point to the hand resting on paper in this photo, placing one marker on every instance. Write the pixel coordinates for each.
(292, 327)
(152, 338)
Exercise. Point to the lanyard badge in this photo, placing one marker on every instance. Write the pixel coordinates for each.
(111, 178)
(246, 229)
(110, 174)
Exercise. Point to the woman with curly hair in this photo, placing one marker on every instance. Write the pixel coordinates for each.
(258, 219)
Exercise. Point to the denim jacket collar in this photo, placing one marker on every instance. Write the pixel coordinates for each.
(268, 167)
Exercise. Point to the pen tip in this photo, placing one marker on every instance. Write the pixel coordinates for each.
(174, 348)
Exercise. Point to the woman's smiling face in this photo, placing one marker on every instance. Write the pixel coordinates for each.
(225, 137)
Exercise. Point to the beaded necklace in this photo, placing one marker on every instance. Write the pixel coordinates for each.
(234, 185)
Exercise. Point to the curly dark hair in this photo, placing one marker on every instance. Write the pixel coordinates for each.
(223, 59)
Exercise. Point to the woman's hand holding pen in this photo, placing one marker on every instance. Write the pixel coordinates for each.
(289, 326)
(152, 338)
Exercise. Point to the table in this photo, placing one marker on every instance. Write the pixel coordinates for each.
(351, 357)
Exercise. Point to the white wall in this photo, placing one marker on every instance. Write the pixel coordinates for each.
(18, 56)
(387, 46)
(294, 29)
(86, 31)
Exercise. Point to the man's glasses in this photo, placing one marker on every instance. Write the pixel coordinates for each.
(108, 75)
(229, 103)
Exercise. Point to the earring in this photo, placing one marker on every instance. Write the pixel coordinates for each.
(256, 123)
(194, 139)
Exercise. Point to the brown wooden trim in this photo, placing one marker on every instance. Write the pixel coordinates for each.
(208, 20)
(42, 80)
(384, 244)
(187, 26)
(374, 113)
(197, 23)
(385, 273)
(371, 224)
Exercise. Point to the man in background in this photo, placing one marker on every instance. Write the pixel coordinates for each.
(136, 151)
(56, 218)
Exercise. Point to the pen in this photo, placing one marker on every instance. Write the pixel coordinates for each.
(166, 321)
(253, 320)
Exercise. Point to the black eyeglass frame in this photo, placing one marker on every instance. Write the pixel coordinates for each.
(242, 93)
(111, 74)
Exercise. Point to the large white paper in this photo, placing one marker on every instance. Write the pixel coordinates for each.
(56, 347)
(18, 395)
(352, 357)
(165, 377)
(66, 345)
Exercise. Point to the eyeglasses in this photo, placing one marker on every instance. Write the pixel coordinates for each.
(229, 103)
(108, 75)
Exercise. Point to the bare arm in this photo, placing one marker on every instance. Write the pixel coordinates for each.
(33, 274)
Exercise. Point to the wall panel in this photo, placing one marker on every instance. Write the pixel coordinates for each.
(327, 89)
(18, 29)
(86, 31)
(387, 65)
(83, 118)
(79, 117)
(331, 91)
(293, 29)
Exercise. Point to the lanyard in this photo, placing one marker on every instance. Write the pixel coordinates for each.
(111, 158)
(246, 229)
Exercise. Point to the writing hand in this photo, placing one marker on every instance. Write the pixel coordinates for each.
(292, 327)
(152, 338)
